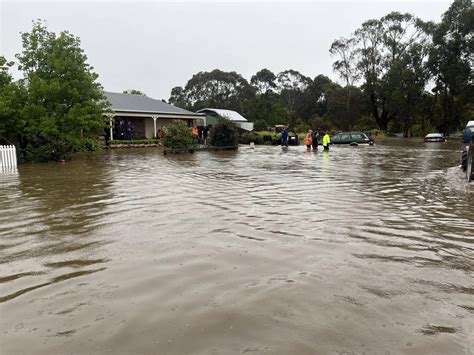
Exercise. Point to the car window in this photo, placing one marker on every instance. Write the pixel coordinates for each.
(336, 138)
(345, 137)
(357, 136)
(470, 129)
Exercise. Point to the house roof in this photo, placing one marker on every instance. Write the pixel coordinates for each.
(229, 114)
(141, 103)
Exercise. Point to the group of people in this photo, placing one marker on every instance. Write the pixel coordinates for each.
(312, 139)
(123, 130)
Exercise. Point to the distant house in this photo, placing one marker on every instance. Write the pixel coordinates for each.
(146, 115)
(213, 113)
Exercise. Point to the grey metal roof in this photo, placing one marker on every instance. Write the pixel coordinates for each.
(231, 115)
(141, 103)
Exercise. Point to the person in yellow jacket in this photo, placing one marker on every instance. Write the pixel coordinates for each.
(326, 141)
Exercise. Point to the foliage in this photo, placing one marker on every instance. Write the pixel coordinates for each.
(249, 137)
(178, 135)
(260, 125)
(264, 82)
(216, 89)
(224, 133)
(365, 124)
(387, 67)
(56, 109)
(135, 141)
(133, 92)
(318, 124)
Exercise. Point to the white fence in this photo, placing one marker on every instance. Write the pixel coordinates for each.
(7, 157)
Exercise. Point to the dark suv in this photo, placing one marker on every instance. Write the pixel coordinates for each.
(352, 138)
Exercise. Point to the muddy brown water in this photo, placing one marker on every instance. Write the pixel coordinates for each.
(365, 250)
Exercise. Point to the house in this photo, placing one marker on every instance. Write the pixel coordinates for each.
(145, 115)
(212, 115)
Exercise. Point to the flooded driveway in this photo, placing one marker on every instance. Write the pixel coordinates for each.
(366, 250)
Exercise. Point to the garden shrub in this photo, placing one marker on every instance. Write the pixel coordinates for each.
(178, 135)
(224, 133)
(135, 141)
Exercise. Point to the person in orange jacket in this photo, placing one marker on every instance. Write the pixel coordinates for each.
(309, 139)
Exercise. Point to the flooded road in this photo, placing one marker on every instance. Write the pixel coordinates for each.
(366, 250)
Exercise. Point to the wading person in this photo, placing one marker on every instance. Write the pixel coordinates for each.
(284, 137)
(326, 141)
(308, 139)
(314, 140)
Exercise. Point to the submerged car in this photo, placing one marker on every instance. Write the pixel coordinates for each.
(352, 138)
(435, 138)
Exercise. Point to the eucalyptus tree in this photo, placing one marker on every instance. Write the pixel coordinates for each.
(217, 88)
(452, 63)
(291, 84)
(389, 55)
(264, 82)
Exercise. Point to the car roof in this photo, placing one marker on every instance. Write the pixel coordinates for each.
(351, 132)
(434, 135)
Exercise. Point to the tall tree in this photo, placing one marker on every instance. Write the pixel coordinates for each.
(264, 81)
(451, 62)
(217, 89)
(291, 84)
(64, 102)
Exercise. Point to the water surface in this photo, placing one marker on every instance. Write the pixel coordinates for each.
(366, 250)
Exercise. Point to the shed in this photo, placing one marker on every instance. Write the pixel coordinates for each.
(213, 113)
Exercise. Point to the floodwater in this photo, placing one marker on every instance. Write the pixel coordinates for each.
(366, 250)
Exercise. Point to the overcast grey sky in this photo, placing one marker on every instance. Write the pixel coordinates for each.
(156, 45)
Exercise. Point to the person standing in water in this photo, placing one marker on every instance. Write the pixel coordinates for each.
(284, 137)
(308, 139)
(326, 141)
(314, 141)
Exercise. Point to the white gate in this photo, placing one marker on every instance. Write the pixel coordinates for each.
(7, 157)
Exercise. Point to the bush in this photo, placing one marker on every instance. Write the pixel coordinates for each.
(417, 131)
(224, 134)
(178, 135)
(135, 141)
(260, 125)
(249, 137)
(365, 123)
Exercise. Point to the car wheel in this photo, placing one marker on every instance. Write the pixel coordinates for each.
(354, 144)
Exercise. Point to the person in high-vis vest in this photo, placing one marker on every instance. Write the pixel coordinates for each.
(308, 139)
(326, 141)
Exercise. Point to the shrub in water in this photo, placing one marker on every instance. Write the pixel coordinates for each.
(224, 134)
(178, 135)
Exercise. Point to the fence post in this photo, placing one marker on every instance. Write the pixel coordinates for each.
(8, 157)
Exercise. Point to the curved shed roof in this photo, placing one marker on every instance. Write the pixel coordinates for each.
(229, 114)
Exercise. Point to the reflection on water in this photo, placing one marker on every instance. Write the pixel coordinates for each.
(355, 250)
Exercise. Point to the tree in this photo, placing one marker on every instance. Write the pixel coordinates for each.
(390, 55)
(264, 82)
(63, 104)
(224, 133)
(133, 92)
(291, 84)
(218, 89)
(451, 62)
(12, 96)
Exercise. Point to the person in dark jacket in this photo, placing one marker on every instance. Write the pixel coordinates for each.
(314, 141)
(284, 137)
